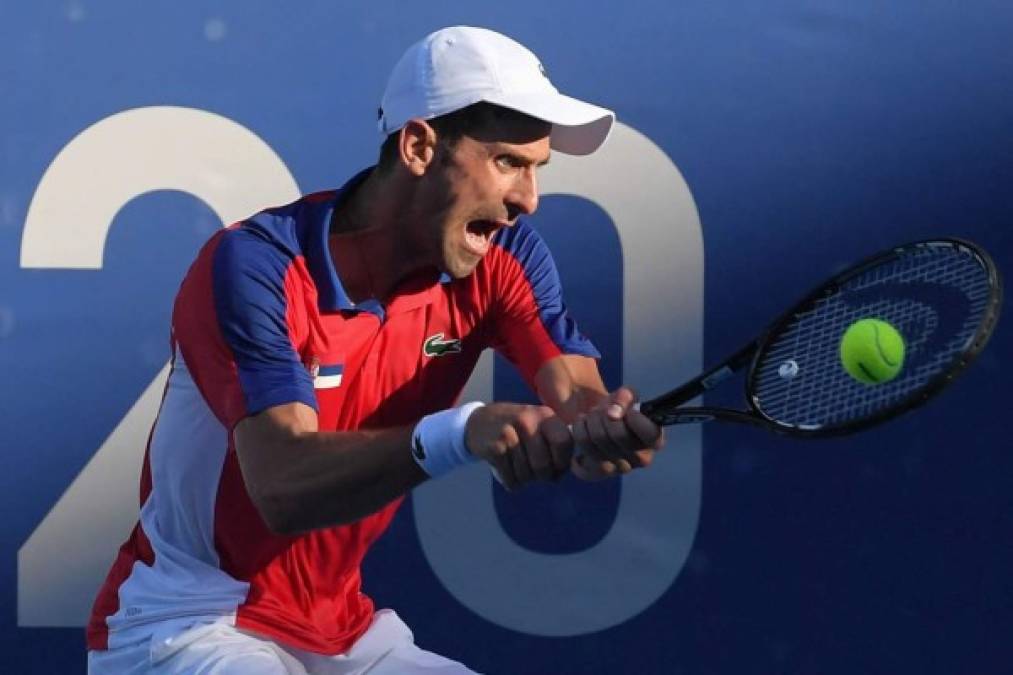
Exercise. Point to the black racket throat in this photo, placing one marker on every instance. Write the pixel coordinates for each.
(941, 296)
(701, 383)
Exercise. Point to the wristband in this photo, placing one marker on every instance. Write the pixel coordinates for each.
(438, 444)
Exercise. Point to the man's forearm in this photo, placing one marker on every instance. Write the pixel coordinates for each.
(570, 385)
(303, 479)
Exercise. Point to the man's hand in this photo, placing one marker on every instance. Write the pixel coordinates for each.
(522, 443)
(614, 438)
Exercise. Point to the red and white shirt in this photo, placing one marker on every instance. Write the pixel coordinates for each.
(261, 319)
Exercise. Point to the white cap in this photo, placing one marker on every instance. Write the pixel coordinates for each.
(455, 67)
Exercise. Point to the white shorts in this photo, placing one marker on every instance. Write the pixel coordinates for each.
(386, 648)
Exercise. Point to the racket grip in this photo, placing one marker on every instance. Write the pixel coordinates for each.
(636, 406)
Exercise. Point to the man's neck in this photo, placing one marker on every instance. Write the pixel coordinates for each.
(366, 240)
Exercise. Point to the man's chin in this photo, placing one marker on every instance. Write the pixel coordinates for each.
(459, 269)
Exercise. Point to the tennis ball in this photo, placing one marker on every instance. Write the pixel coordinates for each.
(872, 351)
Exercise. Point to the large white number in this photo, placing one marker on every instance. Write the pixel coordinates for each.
(236, 173)
(561, 595)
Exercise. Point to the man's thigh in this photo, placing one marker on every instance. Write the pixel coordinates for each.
(387, 648)
(205, 648)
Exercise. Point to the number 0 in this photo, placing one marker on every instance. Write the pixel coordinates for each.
(609, 583)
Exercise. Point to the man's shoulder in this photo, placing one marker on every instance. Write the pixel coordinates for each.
(286, 216)
(521, 233)
(285, 228)
(298, 208)
(521, 243)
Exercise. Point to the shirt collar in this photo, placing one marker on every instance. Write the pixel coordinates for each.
(331, 295)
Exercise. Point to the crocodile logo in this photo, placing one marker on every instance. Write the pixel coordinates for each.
(435, 345)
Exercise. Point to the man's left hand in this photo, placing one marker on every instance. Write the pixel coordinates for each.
(613, 438)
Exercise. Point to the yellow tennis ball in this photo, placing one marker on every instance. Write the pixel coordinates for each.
(872, 351)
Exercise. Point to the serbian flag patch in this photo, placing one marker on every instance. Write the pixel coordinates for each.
(328, 377)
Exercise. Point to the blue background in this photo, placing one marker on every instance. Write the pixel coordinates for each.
(810, 134)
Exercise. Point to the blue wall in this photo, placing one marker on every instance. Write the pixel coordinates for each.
(809, 134)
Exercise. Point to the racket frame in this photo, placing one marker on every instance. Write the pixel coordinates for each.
(667, 408)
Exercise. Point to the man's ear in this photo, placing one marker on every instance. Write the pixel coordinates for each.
(417, 145)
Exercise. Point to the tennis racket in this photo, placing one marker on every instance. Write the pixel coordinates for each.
(943, 296)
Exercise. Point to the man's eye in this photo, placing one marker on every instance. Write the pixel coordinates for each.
(507, 162)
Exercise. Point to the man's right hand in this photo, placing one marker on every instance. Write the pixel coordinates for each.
(522, 443)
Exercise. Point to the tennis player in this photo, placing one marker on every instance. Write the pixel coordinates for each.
(318, 352)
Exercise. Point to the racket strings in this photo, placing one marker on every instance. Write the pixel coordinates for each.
(936, 297)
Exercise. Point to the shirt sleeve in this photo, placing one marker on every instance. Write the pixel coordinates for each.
(231, 324)
(532, 324)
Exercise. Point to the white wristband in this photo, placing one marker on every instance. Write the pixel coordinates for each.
(438, 444)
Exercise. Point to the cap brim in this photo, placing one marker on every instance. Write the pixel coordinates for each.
(578, 128)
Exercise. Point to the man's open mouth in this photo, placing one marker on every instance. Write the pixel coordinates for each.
(478, 235)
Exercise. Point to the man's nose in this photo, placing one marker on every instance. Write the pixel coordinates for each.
(523, 196)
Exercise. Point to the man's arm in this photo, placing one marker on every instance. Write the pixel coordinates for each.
(301, 479)
(610, 435)
(571, 385)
